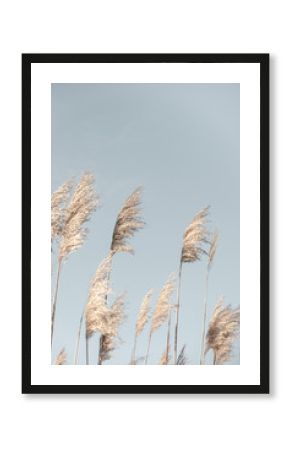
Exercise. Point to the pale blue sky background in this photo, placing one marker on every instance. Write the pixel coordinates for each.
(182, 143)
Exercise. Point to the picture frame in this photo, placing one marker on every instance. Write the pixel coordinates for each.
(251, 72)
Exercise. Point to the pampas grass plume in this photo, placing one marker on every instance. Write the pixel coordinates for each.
(223, 328)
(128, 223)
(82, 203)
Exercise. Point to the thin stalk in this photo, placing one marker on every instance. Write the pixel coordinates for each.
(214, 358)
(177, 313)
(76, 357)
(201, 361)
(168, 337)
(55, 297)
(133, 356)
(87, 351)
(148, 348)
(52, 270)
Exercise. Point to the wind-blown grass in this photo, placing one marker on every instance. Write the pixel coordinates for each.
(142, 319)
(161, 311)
(223, 329)
(99, 316)
(194, 239)
(114, 318)
(210, 257)
(96, 309)
(59, 199)
(70, 226)
(71, 207)
(128, 223)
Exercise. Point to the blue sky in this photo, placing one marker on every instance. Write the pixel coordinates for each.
(181, 142)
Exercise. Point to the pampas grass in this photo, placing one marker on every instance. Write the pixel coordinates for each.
(166, 357)
(141, 321)
(71, 232)
(96, 310)
(195, 236)
(210, 257)
(194, 239)
(114, 318)
(161, 311)
(58, 201)
(128, 223)
(223, 328)
(61, 358)
(71, 207)
(99, 316)
(82, 203)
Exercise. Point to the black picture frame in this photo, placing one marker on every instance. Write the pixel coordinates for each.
(263, 61)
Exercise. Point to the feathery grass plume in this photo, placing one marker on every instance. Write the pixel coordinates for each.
(61, 358)
(114, 318)
(58, 201)
(167, 350)
(210, 257)
(194, 239)
(166, 357)
(223, 328)
(142, 319)
(212, 248)
(181, 360)
(96, 309)
(82, 203)
(162, 308)
(128, 223)
(143, 313)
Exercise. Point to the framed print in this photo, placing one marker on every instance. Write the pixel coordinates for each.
(145, 223)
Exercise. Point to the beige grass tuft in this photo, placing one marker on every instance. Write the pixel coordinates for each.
(128, 223)
(212, 248)
(83, 202)
(96, 310)
(142, 319)
(58, 202)
(143, 315)
(211, 255)
(99, 316)
(223, 328)
(161, 311)
(194, 238)
(61, 358)
(114, 318)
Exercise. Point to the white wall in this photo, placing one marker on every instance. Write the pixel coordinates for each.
(142, 422)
